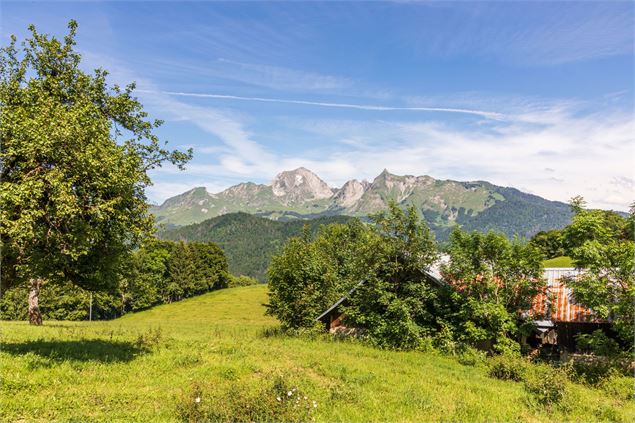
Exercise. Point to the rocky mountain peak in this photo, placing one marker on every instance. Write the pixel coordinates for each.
(350, 193)
(300, 184)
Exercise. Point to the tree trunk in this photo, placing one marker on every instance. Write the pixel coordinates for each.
(35, 317)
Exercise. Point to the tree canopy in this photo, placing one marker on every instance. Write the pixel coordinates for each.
(74, 165)
(603, 246)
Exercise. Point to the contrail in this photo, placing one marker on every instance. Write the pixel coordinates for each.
(489, 115)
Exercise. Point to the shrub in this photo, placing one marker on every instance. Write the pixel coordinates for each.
(470, 356)
(241, 280)
(547, 384)
(606, 357)
(508, 367)
(276, 401)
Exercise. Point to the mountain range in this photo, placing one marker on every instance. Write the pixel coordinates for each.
(301, 194)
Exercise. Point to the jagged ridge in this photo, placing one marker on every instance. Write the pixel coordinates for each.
(301, 194)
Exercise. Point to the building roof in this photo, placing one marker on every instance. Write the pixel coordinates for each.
(560, 298)
(341, 300)
(433, 274)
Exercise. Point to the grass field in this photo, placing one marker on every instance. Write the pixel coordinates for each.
(150, 365)
(562, 261)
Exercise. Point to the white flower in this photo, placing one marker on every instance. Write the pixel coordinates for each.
(279, 399)
(289, 393)
(305, 398)
(197, 399)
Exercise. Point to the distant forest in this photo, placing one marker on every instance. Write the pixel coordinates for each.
(248, 241)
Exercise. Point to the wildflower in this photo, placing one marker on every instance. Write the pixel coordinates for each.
(289, 393)
(314, 404)
(279, 399)
(197, 400)
(305, 398)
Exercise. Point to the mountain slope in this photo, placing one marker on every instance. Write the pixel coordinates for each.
(301, 194)
(248, 241)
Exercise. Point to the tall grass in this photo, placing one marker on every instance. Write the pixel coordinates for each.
(220, 348)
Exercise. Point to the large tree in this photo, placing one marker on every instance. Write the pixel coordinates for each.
(604, 248)
(496, 280)
(74, 165)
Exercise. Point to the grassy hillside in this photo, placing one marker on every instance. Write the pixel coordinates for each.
(248, 241)
(562, 261)
(152, 365)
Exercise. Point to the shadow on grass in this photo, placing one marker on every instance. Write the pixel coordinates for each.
(99, 350)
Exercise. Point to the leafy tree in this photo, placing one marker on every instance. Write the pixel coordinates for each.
(397, 304)
(73, 164)
(211, 267)
(143, 286)
(607, 285)
(550, 243)
(310, 275)
(594, 225)
(495, 281)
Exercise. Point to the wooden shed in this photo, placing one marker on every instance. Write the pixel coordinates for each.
(333, 317)
(559, 318)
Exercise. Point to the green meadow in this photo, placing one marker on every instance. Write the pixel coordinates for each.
(562, 261)
(166, 363)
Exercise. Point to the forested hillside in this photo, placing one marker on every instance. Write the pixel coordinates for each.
(248, 241)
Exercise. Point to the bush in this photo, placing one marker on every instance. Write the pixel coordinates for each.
(276, 401)
(547, 384)
(241, 280)
(605, 358)
(470, 356)
(508, 367)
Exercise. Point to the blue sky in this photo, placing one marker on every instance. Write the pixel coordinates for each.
(538, 96)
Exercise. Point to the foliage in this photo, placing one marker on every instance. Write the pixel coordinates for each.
(273, 400)
(74, 161)
(154, 277)
(310, 275)
(550, 243)
(606, 357)
(61, 301)
(607, 286)
(508, 367)
(398, 302)
(548, 385)
(598, 343)
(470, 356)
(248, 241)
(241, 280)
(495, 280)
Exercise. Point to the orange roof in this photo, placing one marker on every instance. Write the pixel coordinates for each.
(559, 299)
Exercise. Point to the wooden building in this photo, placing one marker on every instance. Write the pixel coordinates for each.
(559, 318)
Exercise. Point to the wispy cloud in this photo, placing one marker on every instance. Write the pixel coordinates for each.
(529, 33)
(368, 107)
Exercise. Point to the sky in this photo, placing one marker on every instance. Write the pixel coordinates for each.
(534, 95)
